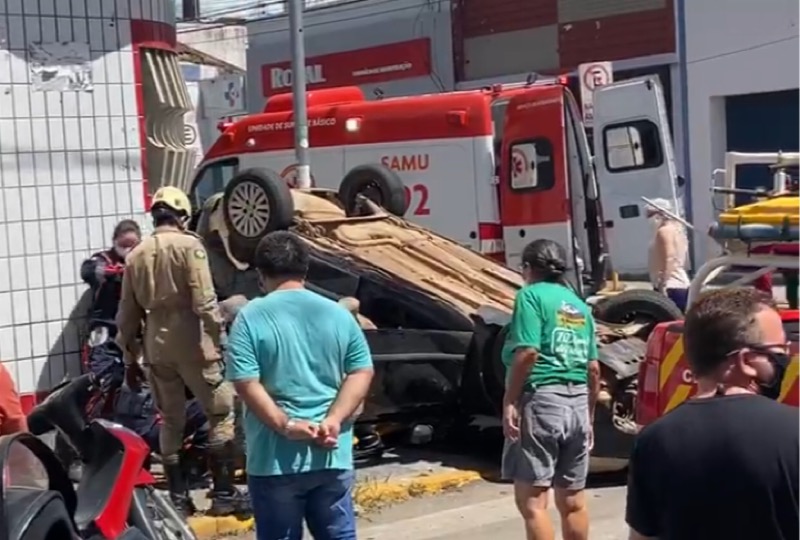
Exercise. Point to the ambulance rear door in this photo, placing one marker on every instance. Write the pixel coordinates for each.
(534, 192)
(634, 158)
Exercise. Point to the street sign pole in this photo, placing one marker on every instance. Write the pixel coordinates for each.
(299, 92)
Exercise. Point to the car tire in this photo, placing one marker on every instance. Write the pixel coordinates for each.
(256, 202)
(644, 303)
(377, 183)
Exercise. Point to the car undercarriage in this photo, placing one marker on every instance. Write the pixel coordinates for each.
(433, 311)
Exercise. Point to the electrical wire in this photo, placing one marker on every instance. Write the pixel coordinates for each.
(745, 49)
(252, 6)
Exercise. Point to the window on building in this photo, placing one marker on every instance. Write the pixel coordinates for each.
(632, 145)
(531, 164)
(166, 101)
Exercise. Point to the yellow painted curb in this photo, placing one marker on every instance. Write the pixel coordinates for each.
(374, 493)
(207, 527)
(368, 494)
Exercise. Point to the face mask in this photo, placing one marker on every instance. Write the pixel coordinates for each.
(121, 251)
(780, 362)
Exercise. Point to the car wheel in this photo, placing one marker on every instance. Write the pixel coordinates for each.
(256, 202)
(377, 183)
(633, 304)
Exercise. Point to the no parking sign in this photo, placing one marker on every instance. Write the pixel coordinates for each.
(592, 75)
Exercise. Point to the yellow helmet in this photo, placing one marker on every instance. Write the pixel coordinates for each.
(173, 198)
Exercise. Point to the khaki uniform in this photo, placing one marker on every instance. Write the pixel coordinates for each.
(167, 286)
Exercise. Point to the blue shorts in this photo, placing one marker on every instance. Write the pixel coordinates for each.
(323, 498)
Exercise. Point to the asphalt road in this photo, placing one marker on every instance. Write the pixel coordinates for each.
(482, 511)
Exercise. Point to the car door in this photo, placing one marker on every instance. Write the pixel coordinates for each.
(534, 192)
(634, 158)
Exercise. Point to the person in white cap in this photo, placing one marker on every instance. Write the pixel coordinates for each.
(668, 254)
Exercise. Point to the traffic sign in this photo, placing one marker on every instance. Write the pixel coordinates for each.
(592, 75)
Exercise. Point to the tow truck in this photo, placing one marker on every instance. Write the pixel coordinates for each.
(761, 236)
(491, 168)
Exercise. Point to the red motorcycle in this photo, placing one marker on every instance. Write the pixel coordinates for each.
(116, 495)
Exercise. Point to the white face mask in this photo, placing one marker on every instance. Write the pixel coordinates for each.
(121, 251)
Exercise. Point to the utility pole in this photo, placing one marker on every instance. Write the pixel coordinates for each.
(299, 92)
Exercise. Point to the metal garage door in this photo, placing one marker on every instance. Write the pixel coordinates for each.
(761, 123)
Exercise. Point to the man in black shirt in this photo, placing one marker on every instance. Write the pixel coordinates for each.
(723, 465)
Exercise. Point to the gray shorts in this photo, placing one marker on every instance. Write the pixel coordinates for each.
(553, 448)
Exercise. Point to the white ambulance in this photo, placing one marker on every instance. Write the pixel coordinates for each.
(493, 168)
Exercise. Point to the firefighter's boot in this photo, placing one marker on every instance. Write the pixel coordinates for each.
(178, 490)
(226, 499)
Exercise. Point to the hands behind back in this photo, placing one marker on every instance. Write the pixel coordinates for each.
(324, 434)
(328, 434)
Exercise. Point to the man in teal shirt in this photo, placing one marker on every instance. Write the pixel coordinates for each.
(551, 389)
(302, 367)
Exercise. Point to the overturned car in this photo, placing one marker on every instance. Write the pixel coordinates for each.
(433, 311)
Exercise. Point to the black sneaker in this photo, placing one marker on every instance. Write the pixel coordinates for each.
(233, 503)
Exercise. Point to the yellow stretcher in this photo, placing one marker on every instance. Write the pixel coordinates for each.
(776, 219)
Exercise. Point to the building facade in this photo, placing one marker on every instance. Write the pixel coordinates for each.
(87, 91)
(498, 38)
(742, 88)
(395, 48)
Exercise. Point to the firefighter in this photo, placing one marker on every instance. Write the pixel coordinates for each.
(167, 288)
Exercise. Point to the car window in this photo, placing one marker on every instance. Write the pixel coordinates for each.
(212, 179)
(328, 277)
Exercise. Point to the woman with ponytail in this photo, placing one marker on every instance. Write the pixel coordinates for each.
(552, 383)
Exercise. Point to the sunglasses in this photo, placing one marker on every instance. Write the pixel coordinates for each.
(780, 357)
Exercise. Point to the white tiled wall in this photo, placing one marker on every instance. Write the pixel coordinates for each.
(70, 169)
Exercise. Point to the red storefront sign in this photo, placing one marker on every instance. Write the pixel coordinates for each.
(403, 60)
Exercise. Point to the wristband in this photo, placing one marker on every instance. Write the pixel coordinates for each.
(290, 424)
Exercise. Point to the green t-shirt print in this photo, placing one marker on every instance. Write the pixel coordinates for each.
(553, 320)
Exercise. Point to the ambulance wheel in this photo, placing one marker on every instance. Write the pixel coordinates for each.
(644, 305)
(377, 183)
(256, 202)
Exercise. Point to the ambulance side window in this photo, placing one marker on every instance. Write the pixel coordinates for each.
(498, 124)
(213, 179)
(531, 164)
(632, 145)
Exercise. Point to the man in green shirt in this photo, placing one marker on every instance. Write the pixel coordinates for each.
(551, 389)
